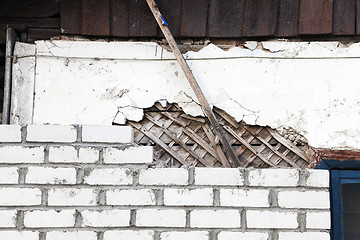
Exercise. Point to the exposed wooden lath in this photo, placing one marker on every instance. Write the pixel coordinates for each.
(180, 139)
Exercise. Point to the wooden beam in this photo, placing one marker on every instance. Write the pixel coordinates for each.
(219, 132)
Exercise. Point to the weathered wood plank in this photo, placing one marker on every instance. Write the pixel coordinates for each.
(315, 16)
(30, 22)
(29, 8)
(119, 18)
(42, 33)
(344, 17)
(287, 22)
(358, 17)
(141, 21)
(260, 18)
(171, 11)
(194, 18)
(95, 17)
(71, 16)
(226, 18)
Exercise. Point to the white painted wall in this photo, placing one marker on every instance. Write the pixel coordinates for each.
(311, 87)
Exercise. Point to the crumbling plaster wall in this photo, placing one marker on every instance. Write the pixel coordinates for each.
(309, 86)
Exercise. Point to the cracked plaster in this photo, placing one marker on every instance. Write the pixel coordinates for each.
(309, 87)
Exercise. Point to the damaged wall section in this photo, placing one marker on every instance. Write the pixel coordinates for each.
(309, 87)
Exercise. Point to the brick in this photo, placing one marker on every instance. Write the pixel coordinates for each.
(219, 176)
(106, 218)
(271, 219)
(49, 218)
(188, 197)
(7, 218)
(71, 235)
(130, 197)
(19, 235)
(215, 219)
(17, 154)
(243, 235)
(129, 234)
(160, 218)
(107, 134)
(317, 178)
(15, 197)
(49, 175)
(51, 133)
(200, 235)
(304, 235)
(273, 177)
(109, 176)
(10, 133)
(69, 154)
(304, 199)
(163, 176)
(72, 197)
(318, 220)
(139, 154)
(244, 197)
(9, 175)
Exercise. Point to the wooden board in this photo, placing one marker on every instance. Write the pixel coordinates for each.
(29, 8)
(194, 18)
(288, 16)
(260, 18)
(315, 16)
(119, 18)
(344, 17)
(226, 18)
(95, 17)
(358, 17)
(171, 11)
(141, 20)
(71, 16)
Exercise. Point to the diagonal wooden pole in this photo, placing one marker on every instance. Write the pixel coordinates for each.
(219, 132)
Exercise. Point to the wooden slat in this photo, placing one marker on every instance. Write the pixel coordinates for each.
(194, 18)
(71, 16)
(287, 22)
(31, 22)
(29, 8)
(358, 17)
(344, 17)
(315, 16)
(226, 18)
(119, 18)
(40, 33)
(260, 18)
(95, 17)
(141, 21)
(171, 11)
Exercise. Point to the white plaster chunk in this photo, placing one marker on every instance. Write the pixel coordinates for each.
(297, 85)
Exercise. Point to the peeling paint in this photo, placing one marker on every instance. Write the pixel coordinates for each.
(306, 86)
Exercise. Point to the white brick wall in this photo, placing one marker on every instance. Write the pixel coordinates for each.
(271, 219)
(10, 133)
(71, 235)
(8, 218)
(9, 175)
(200, 235)
(72, 197)
(188, 197)
(129, 234)
(142, 154)
(109, 176)
(163, 176)
(160, 218)
(51, 133)
(50, 175)
(105, 218)
(219, 176)
(66, 188)
(18, 154)
(107, 134)
(215, 219)
(304, 199)
(273, 177)
(49, 218)
(130, 197)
